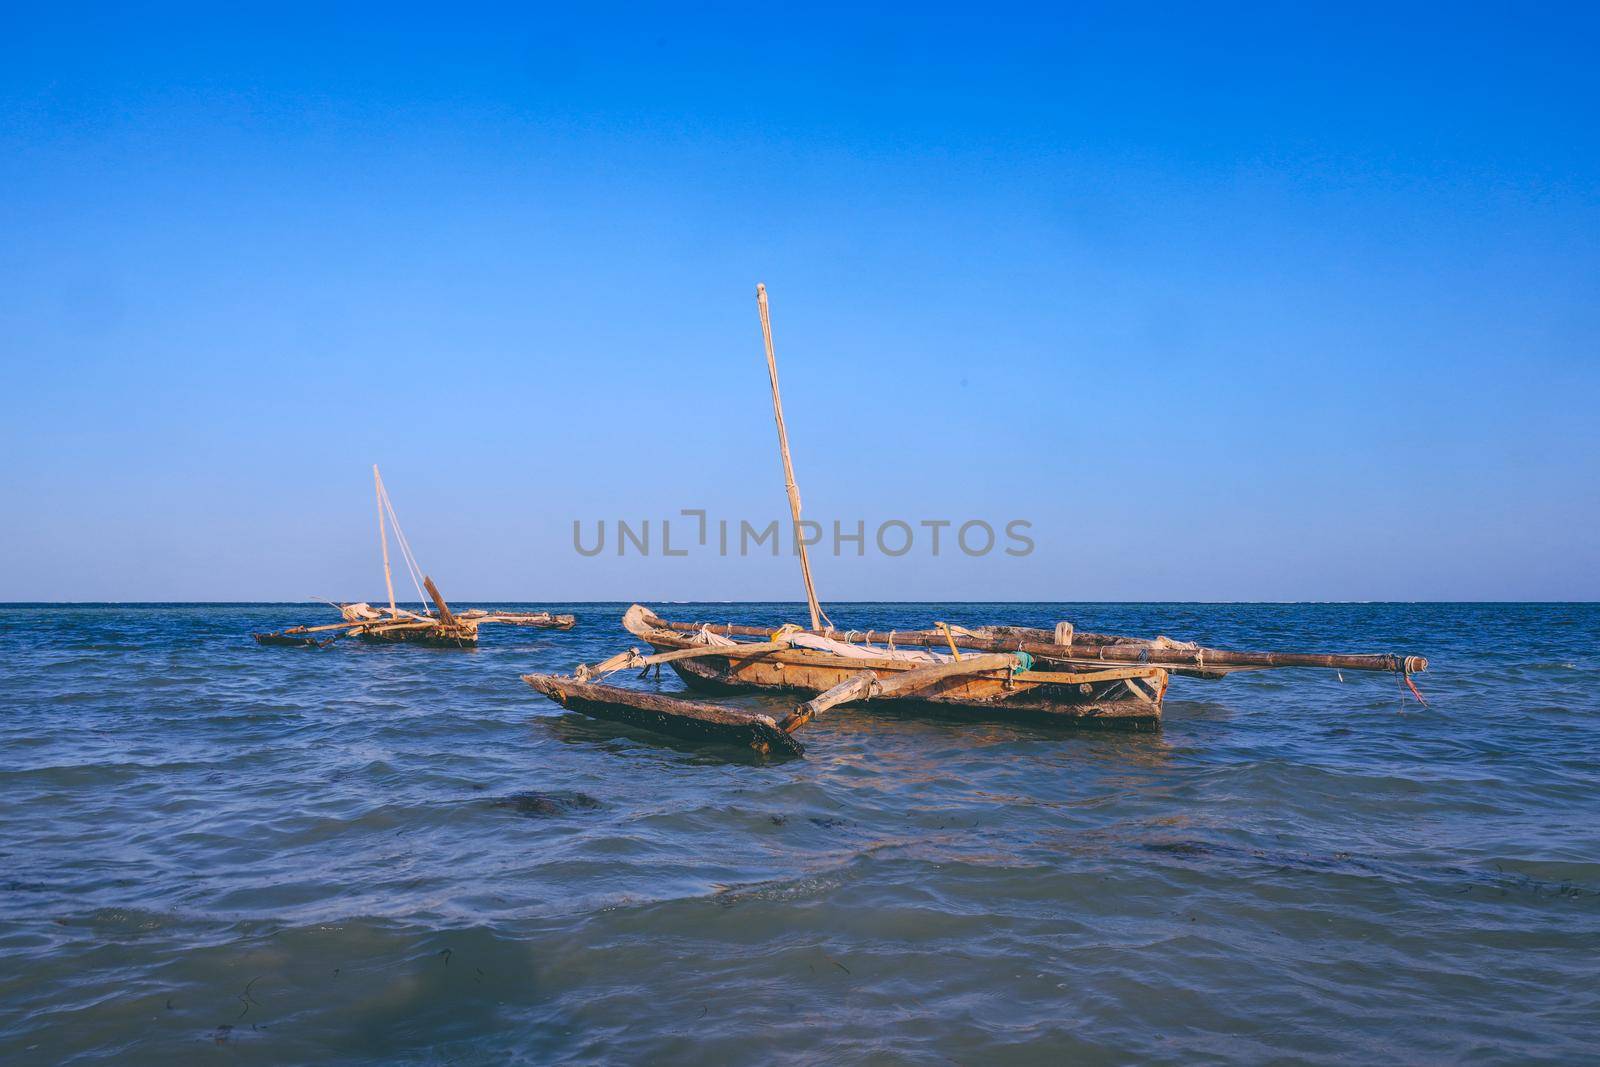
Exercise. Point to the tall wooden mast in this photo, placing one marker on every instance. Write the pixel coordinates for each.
(383, 538)
(817, 615)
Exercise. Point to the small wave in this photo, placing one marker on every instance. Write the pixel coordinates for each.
(536, 805)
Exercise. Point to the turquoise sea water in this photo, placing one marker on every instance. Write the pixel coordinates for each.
(260, 855)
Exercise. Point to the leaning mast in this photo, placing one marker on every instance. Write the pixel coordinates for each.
(383, 539)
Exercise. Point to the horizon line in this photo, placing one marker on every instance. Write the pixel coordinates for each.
(490, 600)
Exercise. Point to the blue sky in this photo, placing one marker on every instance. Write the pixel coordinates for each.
(1237, 303)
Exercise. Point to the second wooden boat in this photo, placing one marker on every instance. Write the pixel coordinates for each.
(439, 628)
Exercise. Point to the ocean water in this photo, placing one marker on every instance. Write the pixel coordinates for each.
(241, 854)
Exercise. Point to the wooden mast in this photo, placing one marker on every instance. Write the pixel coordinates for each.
(383, 539)
(817, 615)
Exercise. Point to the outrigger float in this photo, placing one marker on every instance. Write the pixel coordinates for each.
(440, 628)
(1006, 672)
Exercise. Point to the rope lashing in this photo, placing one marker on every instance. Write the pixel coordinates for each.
(621, 661)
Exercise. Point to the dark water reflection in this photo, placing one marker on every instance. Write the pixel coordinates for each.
(374, 853)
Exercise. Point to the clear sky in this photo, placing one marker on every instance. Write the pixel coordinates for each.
(1228, 302)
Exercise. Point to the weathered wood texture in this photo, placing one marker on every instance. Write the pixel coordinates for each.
(1105, 704)
(1085, 649)
(738, 651)
(541, 620)
(1096, 698)
(428, 637)
(691, 719)
(412, 629)
(793, 491)
(866, 685)
(290, 641)
(438, 602)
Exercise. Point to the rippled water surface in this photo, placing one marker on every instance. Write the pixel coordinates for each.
(361, 853)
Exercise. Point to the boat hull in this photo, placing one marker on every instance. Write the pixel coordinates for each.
(287, 641)
(808, 674)
(1123, 697)
(431, 638)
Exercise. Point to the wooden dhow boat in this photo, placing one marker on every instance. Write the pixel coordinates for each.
(993, 672)
(439, 628)
(1059, 675)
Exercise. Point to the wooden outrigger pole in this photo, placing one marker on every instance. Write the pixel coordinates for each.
(700, 721)
(818, 617)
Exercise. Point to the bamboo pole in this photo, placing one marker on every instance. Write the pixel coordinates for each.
(297, 630)
(1198, 659)
(744, 650)
(383, 539)
(866, 685)
(817, 615)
